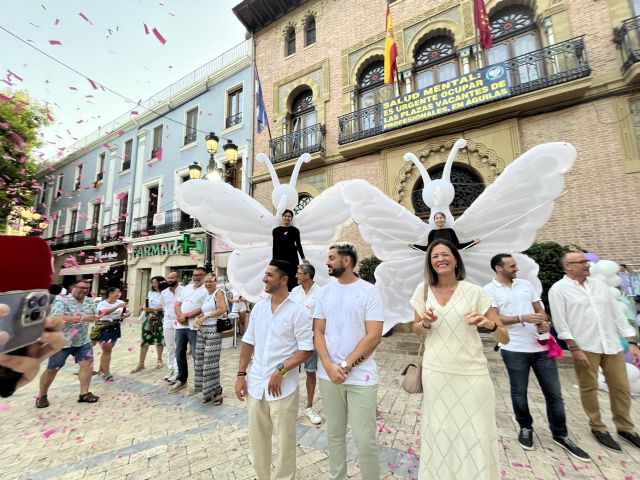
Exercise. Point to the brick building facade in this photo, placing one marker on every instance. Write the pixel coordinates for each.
(573, 77)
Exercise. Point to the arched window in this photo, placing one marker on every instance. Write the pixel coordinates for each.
(304, 199)
(371, 91)
(310, 31)
(435, 62)
(514, 33)
(303, 115)
(290, 42)
(467, 183)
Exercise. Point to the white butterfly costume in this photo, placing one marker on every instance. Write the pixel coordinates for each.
(247, 225)
(535, 179)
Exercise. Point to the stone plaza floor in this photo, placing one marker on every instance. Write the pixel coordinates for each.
(139, 431)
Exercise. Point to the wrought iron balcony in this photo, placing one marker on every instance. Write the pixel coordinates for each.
(81, 238)
(292, 145)
(174, 221)
(233, 120)
(126, 165)
(627, 37)
(190, 137)
(112, 232)
(553, 65)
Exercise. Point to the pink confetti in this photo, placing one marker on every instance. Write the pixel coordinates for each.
(57, 22)
(159, 36)
(5, 99)
(130, 349)
(4, 406)
(146, 29)
(134, 112)
(85, 18)
(55, 42)
(17, 138)
(93, 84)
(49, 432)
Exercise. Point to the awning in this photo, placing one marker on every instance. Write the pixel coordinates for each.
(89, 269)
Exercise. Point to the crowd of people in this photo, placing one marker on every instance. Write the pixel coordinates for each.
(334, 331)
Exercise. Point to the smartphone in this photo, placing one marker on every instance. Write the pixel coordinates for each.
(24, 286)
(25, 323)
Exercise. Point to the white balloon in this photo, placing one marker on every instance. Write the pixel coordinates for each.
(615, 293)
(633, 373)
(608, 267)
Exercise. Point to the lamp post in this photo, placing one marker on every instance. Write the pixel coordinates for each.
(213, 173)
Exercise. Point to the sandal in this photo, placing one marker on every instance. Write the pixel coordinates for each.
(88, 398)
(108, 378)
(138, 368)
(217, 400)
(159, 365)
(42, 402)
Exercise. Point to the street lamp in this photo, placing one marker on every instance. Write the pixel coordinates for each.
(195, 171)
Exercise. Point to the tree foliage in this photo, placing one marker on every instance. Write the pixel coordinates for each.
(368, 267)
(20, 120)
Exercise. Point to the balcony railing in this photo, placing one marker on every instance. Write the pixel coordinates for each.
(292, 145)
(175, 220)
(81, 238)
(126, 165)
(233, 120)
(190, 137)
(627, 37)
(559, 63)
(112, 232)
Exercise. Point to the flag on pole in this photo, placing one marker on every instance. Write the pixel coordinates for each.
(261, 111)
(390, 51)
(482, 24)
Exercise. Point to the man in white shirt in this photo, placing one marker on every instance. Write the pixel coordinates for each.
(280, 338)
(306, 294)
(522, 312)
(586, 316)
(347, 328)
(187, 308)
(168, 299)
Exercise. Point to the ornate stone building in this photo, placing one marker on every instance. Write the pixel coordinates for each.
(571, 76)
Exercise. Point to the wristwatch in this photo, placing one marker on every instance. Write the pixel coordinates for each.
(281, 368)
(345, 366)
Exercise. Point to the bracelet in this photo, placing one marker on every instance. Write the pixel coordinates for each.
(495, 327)
(241, 374)
(631, 342)
(426, 327)
(520, 320)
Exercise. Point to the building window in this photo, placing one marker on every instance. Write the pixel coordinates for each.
(290, 42)
(128, 151)
(304, 199)
(467, 183)
(514, 33)
(310, 32)
(95, 218)
(435, 62)
(157, 141)
(59, 185)
(123, 206)
(191, 133)
(42, 197)
(78, 178)
(73, 221)
(100, 168)
(234, 107)
(371, 91)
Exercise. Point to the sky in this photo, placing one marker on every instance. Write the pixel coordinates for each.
(107, 42)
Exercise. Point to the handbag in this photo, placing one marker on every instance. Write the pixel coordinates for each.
(224, 324)
(412, 382)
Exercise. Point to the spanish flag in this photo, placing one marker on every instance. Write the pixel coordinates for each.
(390, 51)
(482, 24)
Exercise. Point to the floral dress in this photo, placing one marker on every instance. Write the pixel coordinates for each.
(152, 325)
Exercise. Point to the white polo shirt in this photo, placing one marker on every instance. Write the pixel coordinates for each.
(345, 308)
(191, 298)
(589, 315)
(168, 303)
(513, 301)
(276, 336)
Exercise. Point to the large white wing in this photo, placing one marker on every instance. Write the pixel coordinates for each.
(227, 212)
(384, 224)
(535, 179)
(324, 217)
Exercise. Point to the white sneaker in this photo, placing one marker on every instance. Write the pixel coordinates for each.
(177, 387)
(313, 416)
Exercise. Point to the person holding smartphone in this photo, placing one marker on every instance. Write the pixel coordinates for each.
(76, 312)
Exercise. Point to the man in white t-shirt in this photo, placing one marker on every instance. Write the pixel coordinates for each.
(306, 294)
(168, 299)
(279, 338)
(522, 312)
(187, 308)
(347, 328)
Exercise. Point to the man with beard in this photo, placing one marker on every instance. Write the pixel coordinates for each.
(76, 311)
(348, 322)
(279, 338)
(168, 299)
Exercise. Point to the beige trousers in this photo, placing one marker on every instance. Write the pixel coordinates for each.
(266, 418)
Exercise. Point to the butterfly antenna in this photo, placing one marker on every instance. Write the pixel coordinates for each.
(411, 157)
(262, 158)
(304, 158)
(446, 174)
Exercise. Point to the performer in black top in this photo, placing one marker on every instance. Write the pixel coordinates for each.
(443, 233)
(286, 246)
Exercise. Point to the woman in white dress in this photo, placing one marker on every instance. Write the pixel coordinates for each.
(459, 435)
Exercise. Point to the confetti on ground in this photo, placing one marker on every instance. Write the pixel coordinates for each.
(4, 406)
(48, 433)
